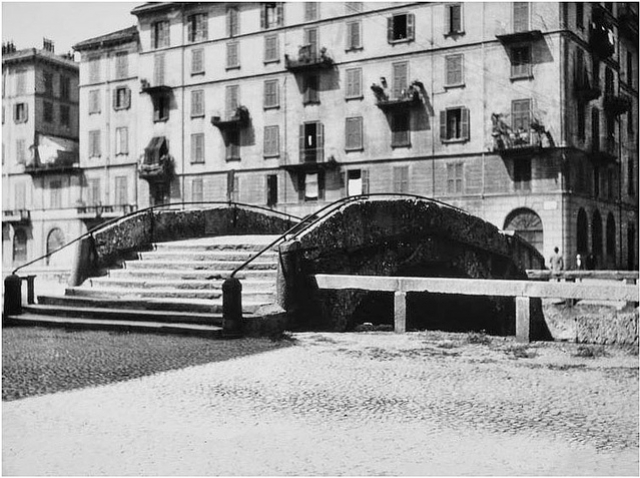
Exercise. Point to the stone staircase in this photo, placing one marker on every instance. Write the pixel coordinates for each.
(177, 287)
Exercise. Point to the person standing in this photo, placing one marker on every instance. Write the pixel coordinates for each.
(556, 262)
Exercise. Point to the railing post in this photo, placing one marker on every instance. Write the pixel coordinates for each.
(400, 312)
(523, 319)
(30, 288)
(631, 281)
(12, 295)
(231, 308)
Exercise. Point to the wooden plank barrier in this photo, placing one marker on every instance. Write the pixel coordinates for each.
(522, 290)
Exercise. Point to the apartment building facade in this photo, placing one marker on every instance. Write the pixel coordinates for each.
(40, 161)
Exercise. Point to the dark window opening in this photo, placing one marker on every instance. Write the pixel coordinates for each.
(272, 190)
(400, 130)
(522, 174)
(161, 108)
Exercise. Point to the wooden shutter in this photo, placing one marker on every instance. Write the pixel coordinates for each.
(464, 123)
(364, 174)
(115, 100)
(320, 143)
(447, 19)
(204, 26)
(443, 125)
(125, 140)
(127, 98)
(280, 14)
(399, 78)
(520, 16)
(191, 34)
(301, 186)
(390, 29)
(411, 29)
(301, 143)
(158, 70)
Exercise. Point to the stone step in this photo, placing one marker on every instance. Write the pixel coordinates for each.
(204, 306)
(145, 283)
(214, 271)
(144, 293)
(237, 243)
(30, 319)
(187, 275)
(216, 254)
(235, 247)
(119, 313)
(224, 262)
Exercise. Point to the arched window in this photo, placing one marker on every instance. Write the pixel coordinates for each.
(611, 237)
(528, 225)
(55, 240)
(19, 247)
(596, 234)
(582, 233)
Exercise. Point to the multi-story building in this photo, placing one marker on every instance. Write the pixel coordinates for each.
(524, 114)
(40, 169)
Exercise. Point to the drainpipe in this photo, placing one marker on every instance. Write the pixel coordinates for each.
(107, 147)
(619, 166)
(182, 92)
(563, 54)
(433, 135)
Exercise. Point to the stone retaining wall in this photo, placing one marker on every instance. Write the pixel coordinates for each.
(619, 328)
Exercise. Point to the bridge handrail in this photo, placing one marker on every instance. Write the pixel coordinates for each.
(545, 274)
(323, 212)
(115, 220)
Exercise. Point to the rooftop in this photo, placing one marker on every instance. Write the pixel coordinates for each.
(110, 39)
(32, 54)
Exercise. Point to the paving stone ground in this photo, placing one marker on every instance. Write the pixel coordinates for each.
(374, 403)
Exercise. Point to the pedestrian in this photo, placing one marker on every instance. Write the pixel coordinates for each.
(556, 263)
(579, 264)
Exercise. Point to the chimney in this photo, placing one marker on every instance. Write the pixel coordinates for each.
(8, 47)
(47, 45)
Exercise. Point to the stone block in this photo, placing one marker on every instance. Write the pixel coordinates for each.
(619, 329)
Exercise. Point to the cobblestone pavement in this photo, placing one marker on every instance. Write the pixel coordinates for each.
(346, 404)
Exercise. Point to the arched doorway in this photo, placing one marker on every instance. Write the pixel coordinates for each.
(582, 238)
(611, 240)
(55, 240)
(19, 247)
(528, 225)
(596, 238)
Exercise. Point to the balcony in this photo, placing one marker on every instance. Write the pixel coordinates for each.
(526, 36)
(16, 216)
(583, 89)
(409, 97)
(510, 143)
(308, 59)
(66, 162)
(90, 213)
(601, 34)
(312, 160)
(154, 90)
(239, 119)
(616, 104)
(628, 22)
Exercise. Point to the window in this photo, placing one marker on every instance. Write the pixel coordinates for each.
(233, 145)
(47, 112)
(596, 181)
(197, 27)
(631, 191)
(65, 115)
(522, 174)
(454, 124)
(401, 179)
(161, 104)
(521, 116)
(272, 15)
(233, 186)
(311, 41)
(400, 135)
(94, 144)
(354, 36)
(453, 19)
(122, 65)
(310, 85)
(197, 61)
(65, 87)
(122, 140)
(455, 174)
(311, 142)
(271, 94)
(311, 186)
(271, 141)
(233, 60)
(233, 25)
(608, 81)
(94, 101)
(595, 129)
(272, 189)
(454, 71)
(232, 99)
(55, 189)
(353, 134)
(122, 196)
(521, 61)
(354, 83)
(21, 151)
(357, 182)
(158, 69)
(20, 113)
(121, 98)
(271, 48)
(579, 15)
(310, 11)
(160, 34)
(400, 75)
(197, 148)
(520, 17)
(93, 192)
(630, 69)
(197, 103)
(94, 70)
(21, 82)
(400, 28)
(197, 190)
(48, 83)
(581, 120)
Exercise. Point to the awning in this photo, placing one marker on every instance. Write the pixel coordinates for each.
(311, 166)
(155, 150)
(55, 151)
